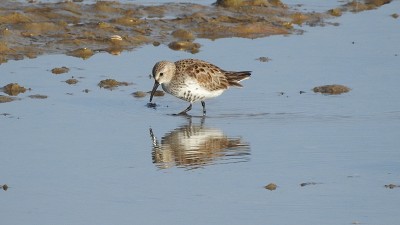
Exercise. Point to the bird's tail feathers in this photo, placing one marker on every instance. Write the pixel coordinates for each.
(235, 77)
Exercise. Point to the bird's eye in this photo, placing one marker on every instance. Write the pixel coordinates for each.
(161, 74)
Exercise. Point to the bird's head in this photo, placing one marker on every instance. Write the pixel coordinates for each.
(163, 72)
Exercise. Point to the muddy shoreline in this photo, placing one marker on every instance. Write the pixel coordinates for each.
(81, 30)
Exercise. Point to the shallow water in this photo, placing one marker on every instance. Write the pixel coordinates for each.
(89, 158)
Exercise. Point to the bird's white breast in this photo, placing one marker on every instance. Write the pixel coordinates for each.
(190, 91)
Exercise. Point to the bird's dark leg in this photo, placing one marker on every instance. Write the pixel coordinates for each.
(153, 138)
(186, 110)
(204, 107)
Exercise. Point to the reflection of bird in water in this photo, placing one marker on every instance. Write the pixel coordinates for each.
(194, 146)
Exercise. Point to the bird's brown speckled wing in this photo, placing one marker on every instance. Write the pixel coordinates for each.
(207, 75)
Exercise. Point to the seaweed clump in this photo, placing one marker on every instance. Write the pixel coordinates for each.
(111, 83)
(334, 89)
(13, 89)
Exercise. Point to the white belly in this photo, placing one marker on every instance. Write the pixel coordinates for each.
(191, 92)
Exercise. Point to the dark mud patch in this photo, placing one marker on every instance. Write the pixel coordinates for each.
(81, 30)
(392, 186)
(334, 89)
(13, 89)
(112, 84)
(308, 184)
(4, 187)
(151, 105)
(38, 96)
(264, 59)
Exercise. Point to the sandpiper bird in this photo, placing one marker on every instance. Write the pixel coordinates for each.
(194, 80)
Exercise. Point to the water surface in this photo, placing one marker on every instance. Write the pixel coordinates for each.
(89, 158)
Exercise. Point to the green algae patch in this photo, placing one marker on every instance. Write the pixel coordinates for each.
(13, 89)
(111, 84)
(334, 89)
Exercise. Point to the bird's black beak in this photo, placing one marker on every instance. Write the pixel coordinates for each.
(156, 84)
